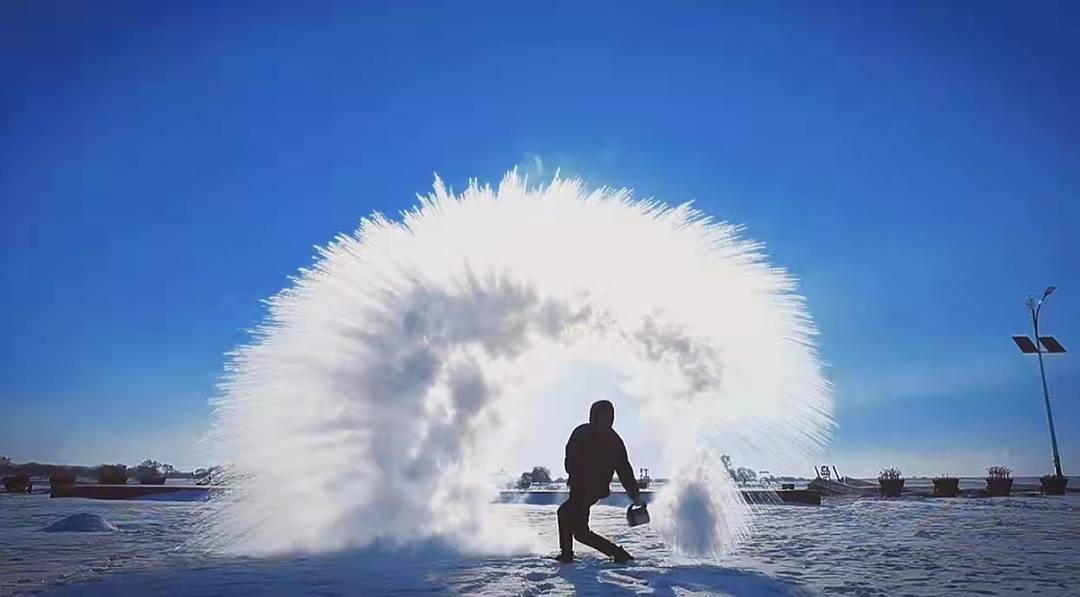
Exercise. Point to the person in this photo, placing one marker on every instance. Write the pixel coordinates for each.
(593, 453)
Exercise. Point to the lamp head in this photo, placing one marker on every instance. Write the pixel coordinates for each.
(1049, 290)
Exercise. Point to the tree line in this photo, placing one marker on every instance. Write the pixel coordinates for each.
(40, 469)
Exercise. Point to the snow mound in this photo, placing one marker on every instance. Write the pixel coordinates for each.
(81, 523)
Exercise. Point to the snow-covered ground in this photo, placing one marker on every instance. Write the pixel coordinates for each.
(857, 547)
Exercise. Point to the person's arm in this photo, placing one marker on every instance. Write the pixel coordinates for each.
(625, 471)
(573, 459)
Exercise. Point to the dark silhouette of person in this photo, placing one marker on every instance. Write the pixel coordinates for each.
(594, 452)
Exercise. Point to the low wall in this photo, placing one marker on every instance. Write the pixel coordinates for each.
(542, 497)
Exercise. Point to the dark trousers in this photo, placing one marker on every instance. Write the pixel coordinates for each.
(574, 524)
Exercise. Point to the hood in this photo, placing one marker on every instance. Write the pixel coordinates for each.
(602, 414)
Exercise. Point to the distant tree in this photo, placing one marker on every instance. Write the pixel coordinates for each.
(149, 465)
(739, 475)
(541, 474)
(726, 461)
(155, 466)
(744, 475)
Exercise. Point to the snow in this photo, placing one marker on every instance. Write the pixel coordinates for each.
(860, 547)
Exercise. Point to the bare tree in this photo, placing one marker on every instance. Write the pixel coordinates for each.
(541, 474)
(744, 475)
(726, 461)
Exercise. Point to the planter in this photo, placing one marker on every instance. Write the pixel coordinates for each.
(1053, 485)
(61, 477)
(112, 474)
(18, 483)
(998, 487)
(946, 487)
(891, 487)
(151, 479)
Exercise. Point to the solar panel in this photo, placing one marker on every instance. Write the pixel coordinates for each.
(1051, 344)
(1025, 344)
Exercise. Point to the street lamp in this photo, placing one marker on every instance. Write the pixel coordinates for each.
(1040, 345)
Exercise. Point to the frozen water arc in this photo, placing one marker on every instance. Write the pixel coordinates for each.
(371, 403)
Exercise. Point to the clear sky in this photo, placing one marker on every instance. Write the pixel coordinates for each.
(165, 166)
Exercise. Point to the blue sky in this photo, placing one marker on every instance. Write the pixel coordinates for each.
(163, 168)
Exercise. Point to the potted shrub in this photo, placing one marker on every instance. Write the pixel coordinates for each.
(61, 476)
(946, 486)
(998, 481)
(18, 483)
(112, 474)
(1053, 484)
(891, 482)
(148, 476)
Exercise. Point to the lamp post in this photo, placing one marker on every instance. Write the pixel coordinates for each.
(1039, 346)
